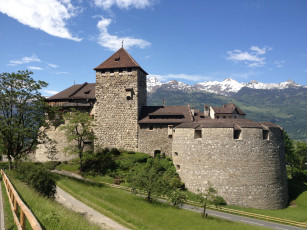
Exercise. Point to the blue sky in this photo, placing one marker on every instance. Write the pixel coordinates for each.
(61, 41)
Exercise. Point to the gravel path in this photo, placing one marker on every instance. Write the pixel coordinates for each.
(92, 215)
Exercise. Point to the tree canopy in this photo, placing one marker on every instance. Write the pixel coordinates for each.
(22, 114)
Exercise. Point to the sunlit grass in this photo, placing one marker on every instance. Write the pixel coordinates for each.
(135, 213)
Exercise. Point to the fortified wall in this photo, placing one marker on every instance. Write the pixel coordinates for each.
(247, 169)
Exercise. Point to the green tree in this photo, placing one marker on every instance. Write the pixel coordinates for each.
(78, 129)
(291, 157)
(208, 197)
(148, 178)
(22, 114)
(301, 153)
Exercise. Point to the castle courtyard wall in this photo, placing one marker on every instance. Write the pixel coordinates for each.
(248, 172)
(155, 139)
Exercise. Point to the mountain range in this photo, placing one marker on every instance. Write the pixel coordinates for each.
(228, 87)
(283, 103)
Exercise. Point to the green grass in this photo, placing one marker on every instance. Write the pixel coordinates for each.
(8, 216)
(135, 213)
(50, 214)
(298, 194)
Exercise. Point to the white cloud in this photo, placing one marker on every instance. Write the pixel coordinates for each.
(52, 65)
(50, 92)
(59, 73)
(123, 4)
(252, 58)
(279, 64)
(113, 42)
(35, 68)
(24, 60)
(49, 16)
(195, 78)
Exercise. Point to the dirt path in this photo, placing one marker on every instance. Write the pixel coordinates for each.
(92, 215)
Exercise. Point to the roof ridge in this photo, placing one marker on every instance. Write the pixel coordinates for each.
(77, 90)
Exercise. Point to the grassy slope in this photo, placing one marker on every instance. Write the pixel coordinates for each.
(8, 216)
(136, 213)
(50, 214)
(297, 191)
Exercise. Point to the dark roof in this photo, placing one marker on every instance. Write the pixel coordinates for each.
(228, 109)
(120, 59)
(165, 114)
(229, 123)
(79, 91)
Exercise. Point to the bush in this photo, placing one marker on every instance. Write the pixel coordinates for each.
(300, 175)
(218, 200)
(100, 163)
(51, 165)
(115, 151)
(37, 177)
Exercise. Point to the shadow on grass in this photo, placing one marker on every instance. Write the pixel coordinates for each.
(296, 188)
(81, 181)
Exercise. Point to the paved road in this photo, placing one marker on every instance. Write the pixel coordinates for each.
(92, 215)
(243, 219)
(1, 209)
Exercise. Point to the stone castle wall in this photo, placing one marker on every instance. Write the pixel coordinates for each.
(155, 139)
(116, 116)
(248, 172)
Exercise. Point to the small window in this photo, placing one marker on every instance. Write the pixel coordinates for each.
(265, 134)
(176, 153)
(161, 126)
(150, 127)
(224, 117)
(129, 94)
(178, 167)
(87, 92)
(236, 134)
(117, 59)
(217, 117)
(197, 134)
(170, 130)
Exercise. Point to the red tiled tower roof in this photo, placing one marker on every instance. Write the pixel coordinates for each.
(120, 59)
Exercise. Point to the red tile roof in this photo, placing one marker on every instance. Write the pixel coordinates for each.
(120, 59)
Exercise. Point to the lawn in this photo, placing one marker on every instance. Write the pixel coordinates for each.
(135, 213)
(296, 212)
(50, 214)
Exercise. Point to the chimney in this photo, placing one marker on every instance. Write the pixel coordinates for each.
(206, 111)
(192, 111)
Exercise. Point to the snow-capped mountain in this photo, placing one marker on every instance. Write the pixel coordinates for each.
(227, 87)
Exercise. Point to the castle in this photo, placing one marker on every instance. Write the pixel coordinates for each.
(243, 159)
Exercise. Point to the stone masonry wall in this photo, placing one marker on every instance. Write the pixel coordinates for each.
(117, 117)
(248, 172)
(156, 139)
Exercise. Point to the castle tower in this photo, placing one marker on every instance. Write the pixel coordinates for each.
(120, 94)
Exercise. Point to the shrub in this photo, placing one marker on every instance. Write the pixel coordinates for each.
(115, 151)
(100, 163)
(51, 165)
(131, 152)
(37, 177)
